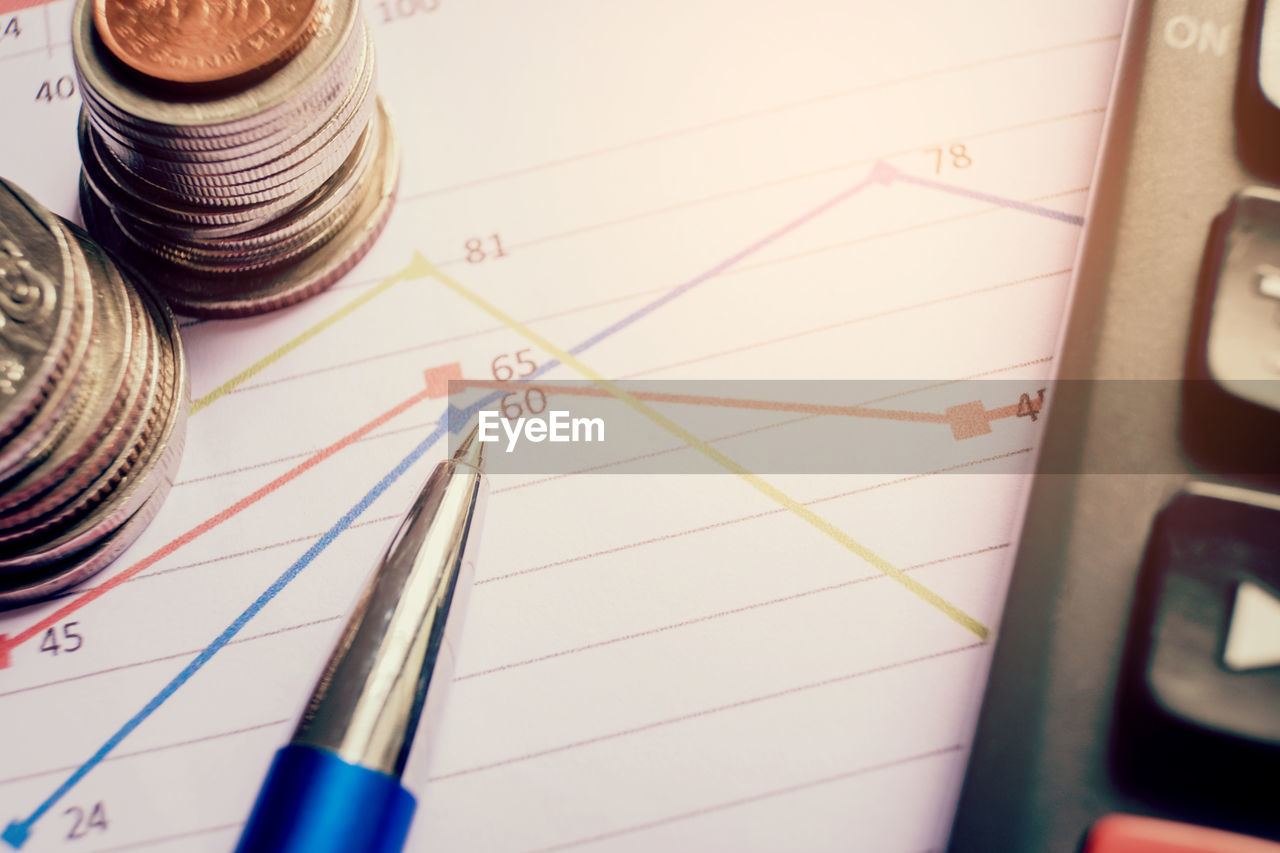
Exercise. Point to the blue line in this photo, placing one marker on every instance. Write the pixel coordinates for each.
(16, 833)
(1012, 204)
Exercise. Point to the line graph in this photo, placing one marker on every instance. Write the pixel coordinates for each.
(419, 268)
(596, 219)
(18, 831)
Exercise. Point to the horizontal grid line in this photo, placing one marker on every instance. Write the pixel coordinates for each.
(811, 101)
(155, 573)
(846, 166)
(152, 749)
(754, 798)
(705, 712)
(177, 836)
(744, 518)
(790, 179)
(44, 48)
(829, 327)
(720, 614)
(183, 654)
(449, 340)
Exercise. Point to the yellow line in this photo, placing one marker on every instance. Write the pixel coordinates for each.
(413, 270)
(755, 481)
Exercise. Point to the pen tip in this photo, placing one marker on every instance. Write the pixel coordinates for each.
(471, 450)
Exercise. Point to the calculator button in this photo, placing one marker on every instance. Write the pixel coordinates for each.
(1198, 712)
(1258, 88)
(1241, 344)
(1120, 833)
(1208, 597)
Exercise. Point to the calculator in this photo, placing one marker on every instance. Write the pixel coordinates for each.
(1134, 698)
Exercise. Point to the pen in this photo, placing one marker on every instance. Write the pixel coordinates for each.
(336, 785)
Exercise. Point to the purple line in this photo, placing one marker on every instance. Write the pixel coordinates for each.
(881, 173)
(1012, 204)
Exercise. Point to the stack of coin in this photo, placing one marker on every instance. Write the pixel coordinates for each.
(93, 404)
(236, 156)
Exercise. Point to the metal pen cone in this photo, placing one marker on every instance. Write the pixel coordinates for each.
(471, 450)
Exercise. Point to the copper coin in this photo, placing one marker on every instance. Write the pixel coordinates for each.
(204, 41)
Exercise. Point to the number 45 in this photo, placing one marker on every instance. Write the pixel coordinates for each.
(65, 641)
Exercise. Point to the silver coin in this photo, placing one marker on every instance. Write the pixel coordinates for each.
(43, 581)
(134, 479)
(37, 315)
(215, 297)
(123, 195)
(145, 214)
(283, 240)
(172, 149)
(62, 398)
(110, 381)
(24, 533)
(104, 442)
(243, 176)
(317, 155)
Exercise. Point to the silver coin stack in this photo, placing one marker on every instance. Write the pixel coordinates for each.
(230, 203)
(93, 404)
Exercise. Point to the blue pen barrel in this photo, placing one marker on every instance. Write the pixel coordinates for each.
(314, 802)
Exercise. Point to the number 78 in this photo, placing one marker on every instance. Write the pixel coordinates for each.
(955, 155)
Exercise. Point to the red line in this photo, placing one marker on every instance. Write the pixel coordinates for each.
(9, 643)
(7, 6)
(449, 373)
(1012, 411)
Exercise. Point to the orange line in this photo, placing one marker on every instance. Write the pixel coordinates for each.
(8, 643)
(1011, 411)
(719, 402)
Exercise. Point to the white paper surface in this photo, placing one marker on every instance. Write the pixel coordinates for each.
(649, 662)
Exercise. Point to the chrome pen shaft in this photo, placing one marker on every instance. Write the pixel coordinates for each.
(397, 653)
(336, 786)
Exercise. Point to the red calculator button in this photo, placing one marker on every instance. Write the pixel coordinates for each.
(1121, 833)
